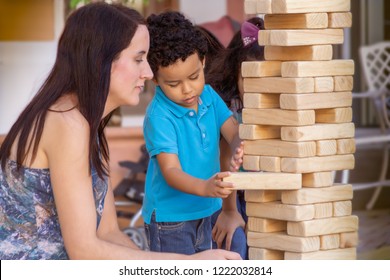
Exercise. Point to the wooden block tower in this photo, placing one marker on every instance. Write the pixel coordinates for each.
(297, 120)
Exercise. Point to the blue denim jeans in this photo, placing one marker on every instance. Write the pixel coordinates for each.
(239, 244)
(187, 237)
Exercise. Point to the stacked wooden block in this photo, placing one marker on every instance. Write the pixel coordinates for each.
(297, 120)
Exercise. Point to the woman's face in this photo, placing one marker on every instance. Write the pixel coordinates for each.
(129, 72)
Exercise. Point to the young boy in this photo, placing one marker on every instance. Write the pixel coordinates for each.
(182, 129)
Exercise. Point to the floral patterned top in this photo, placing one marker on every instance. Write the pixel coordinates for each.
(29, 226)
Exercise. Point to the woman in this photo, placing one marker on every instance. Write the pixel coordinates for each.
(55, 199)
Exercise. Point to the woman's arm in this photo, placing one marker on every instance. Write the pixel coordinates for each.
(65, 143)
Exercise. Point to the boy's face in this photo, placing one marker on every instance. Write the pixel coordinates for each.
(182, 82)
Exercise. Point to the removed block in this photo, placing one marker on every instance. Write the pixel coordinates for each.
(336, 67)
(323, 226)
(264, 181)
(279, 117)
(296, 21)
(315, 101)
(279, 148)
(303, 53)
(283, 242)
(278, 85)
(278, 211)
(318, 164)
(336, 192)
(335, 254)
(318, 132)
(300, 37)
(253, 69)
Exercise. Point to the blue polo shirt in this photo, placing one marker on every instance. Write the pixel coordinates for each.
(194, 138)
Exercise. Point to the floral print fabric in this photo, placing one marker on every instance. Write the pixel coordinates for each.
(29, 226)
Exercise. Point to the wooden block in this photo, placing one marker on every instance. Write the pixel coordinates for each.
(339, 20)
(346, 146)
(343, 83)
(270, 164)
(264, 254)
(315, 100)
(296, 21)
(323, 84)
(256, 69)
(283, 242)
(336, 192)
(279, 211)
(326, 147)
(255, 131)
(323, 226)
(342, 208)
(279, 148)
(300, 37)
(323, 210)
(264, 181)
(317, 179)
(262, 195)
(261, 100)
(329, 241)
(335, 254)
(334, 115)
(279, 117)
(300, 53)
(266, 225)
(309, 6)
(336, 67)
(279, 85)
(251, 163)
(264, 6)
(317, 132)
(349, 239)
(250, 7)
(317, 164)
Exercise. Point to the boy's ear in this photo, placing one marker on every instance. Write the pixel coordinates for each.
(204, 62)
(155, 81)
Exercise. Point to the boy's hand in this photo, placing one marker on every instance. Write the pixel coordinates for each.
(226, 225)
(215, 187)
(237, 158)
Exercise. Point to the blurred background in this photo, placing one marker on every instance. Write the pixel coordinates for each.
(29, 30)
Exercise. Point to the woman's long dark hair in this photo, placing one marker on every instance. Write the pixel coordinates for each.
(93, 37)
(223, 73)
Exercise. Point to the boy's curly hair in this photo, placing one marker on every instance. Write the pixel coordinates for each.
(173, 37)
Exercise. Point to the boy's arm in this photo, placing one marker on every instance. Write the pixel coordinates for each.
(229, 132)
(174, 175)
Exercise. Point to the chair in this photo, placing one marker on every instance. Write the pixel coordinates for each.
(375, 61)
